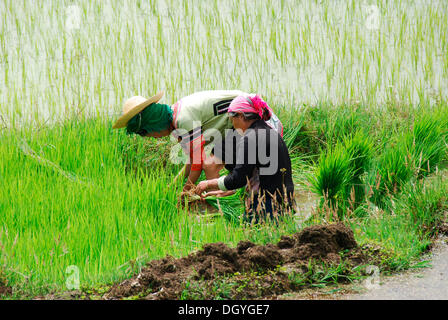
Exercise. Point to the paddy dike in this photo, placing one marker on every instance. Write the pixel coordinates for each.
(220, 270)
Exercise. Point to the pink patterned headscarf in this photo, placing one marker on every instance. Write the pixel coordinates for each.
(251, 104)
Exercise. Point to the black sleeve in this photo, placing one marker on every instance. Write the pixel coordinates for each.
(243, 170)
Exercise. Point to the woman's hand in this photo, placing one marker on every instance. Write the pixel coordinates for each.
(218, 193)
(201, 187)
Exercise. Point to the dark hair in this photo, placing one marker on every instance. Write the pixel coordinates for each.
(251, 116)
(246, 115)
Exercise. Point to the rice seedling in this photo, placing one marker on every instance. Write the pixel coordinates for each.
(338, 53)
(333, 173)
(392, 170)
(424, 202)
(360, 146)
(338, 175)
(294, 134)
(68, 199)
(426, 142)
(361, 149)
(231, 207)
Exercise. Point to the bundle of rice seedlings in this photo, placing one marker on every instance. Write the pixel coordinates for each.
(360, 147)
(332, 175)
(231, 207)
(393, 170)
(294, 134)
(426, 144)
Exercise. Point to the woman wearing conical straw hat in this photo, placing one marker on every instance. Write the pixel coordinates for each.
(195, 120)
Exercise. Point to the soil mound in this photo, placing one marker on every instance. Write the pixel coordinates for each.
(324, 242)
(5, 290)
(166, 278)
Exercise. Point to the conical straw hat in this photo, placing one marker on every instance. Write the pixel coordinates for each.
(134, 106)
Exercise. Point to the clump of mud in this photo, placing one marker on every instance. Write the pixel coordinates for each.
(5, 290)
(166, 278)
(443, 229)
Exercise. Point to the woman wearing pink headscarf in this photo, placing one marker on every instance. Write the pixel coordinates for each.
(254, 107)
(253, 103)
(260, 161)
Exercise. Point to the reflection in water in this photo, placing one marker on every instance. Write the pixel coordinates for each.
(306, 202)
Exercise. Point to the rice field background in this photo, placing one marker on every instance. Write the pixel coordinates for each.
(60, 57)
(76, 195)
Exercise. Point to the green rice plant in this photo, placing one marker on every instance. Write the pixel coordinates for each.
(332, 174)
(327, 124)
(341, 63)
(426, 143)
(344, 122)
(294, 134)
(338, 176)
(361, 149)
(147, 154)
(69, 199)
(231, 207)
(424, 202)
(360, 146)
(407, 228)
(391, 171)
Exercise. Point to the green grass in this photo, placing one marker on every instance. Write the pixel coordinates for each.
(81, 194)
(407, 230)
(424, 203)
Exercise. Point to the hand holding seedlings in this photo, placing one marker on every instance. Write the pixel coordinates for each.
(206, 185)
(201, 187)
(217, 194)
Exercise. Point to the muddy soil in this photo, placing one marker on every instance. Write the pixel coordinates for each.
(5, 290)
(247, 271)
